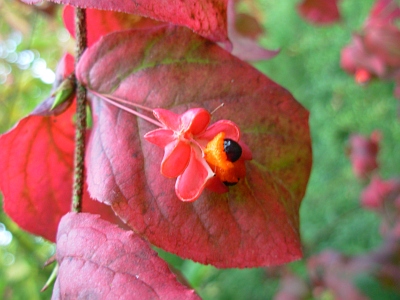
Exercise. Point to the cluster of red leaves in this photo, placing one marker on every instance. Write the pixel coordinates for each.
(148, 203)
(375, 51)
(319, 12)
(382, 196)
(332, 275)
(376, 274)
(158, 63)
(373, 275)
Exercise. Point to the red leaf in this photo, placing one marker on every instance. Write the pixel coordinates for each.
(384, 41)
(375, 51)
(243, 32)
(355, 59)
(248, 26)
(383, 196)
(256, 223)
(363, 154)
(98, 260)
(384, 11)
(102, 22)
(319, 12)
(36, 159)
(381, 34)
(206, 17)
(380, 191)
(243, 29)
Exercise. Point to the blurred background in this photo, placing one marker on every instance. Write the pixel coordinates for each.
(341, 235)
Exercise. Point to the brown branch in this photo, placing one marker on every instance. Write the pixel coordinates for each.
(80, 131)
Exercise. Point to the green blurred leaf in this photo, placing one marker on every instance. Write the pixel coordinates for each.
(374, 289)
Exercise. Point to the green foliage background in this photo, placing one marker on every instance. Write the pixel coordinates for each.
(308, 66)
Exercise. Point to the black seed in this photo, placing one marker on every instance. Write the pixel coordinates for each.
(232, 149)
(229, 183)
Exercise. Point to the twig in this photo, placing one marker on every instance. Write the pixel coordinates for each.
(79, 176)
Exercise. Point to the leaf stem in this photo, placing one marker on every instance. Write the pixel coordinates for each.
(80, 131)
(116, 102)
(127, 102)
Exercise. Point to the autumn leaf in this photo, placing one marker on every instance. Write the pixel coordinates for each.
(98, 260)
(257, 222)
(380, 194)
(384, 11)
(243, 32)
(383, 197)
(102, 22)
(363, 154)
(356, 59)
(319, 12)
(206, 17)
(374, 52)
(373, 275)
(36, 161)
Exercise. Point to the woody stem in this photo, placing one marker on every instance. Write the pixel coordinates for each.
(80, 131)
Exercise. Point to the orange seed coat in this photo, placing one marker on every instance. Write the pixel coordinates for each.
(216, 157)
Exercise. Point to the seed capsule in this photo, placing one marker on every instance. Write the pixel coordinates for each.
(232, 149)
(230, 183)
(223, 156)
